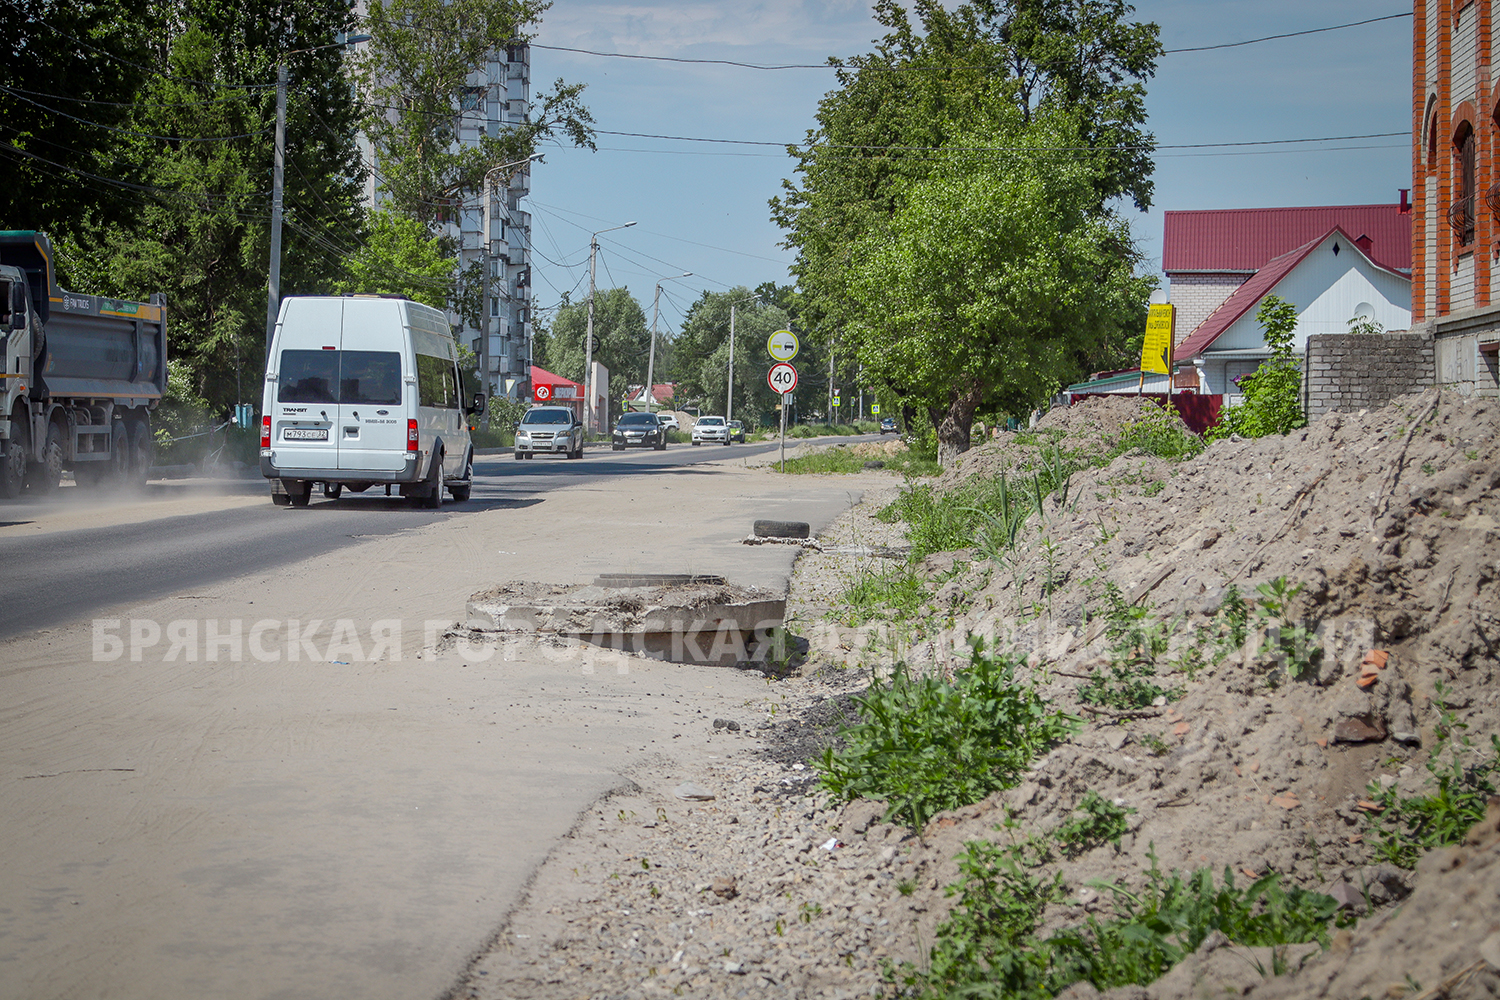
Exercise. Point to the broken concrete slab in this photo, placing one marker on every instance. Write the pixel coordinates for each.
(701, 620)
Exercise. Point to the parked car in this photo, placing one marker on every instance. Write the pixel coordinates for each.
(363, 391)
(639, 430)
(669, 421)
(737, 431)
(888, 425)
(712, 429)
(549, 430)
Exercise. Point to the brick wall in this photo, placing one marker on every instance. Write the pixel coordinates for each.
(1195, 296)
(1345, 371)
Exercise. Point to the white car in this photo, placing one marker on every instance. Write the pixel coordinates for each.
(712, 429)
(669, 421)
(549, 430)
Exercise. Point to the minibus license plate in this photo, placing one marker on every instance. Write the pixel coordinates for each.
(305, 434)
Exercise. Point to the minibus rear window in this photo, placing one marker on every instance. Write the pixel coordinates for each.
(371, 377)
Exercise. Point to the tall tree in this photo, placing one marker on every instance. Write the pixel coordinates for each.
(202, 135)
(414, 77)
(701, 351)
(67, 86)
(993, 280)
(975, 74)
(619, 327)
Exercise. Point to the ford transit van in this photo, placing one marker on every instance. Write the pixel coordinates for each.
(365, 391)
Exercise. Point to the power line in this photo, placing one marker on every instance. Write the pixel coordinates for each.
(1144, 147)
(152, 69)
(839, 64)
(135, 132)
(1289, 34)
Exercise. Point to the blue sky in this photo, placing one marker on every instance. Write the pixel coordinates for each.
(701, 207)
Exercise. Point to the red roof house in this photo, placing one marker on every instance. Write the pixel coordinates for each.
(1208, 254)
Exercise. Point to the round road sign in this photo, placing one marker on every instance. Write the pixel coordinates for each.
(543, 393)
(783, 345)
(782, 378)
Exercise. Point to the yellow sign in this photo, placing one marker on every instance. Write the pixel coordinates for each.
(1156, 352)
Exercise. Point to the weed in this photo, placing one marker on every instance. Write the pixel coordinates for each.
(925, 744)
(654, 891)
(906, 887)
(1137, 642)
(1428, 468)
(1157, 746)
(645, 864)
(1297, 645)
(988, 945)
(1472, 454)
(1411, 826)
(807, 911)
(1096, 821)
(1157, 432)
(894, 594)
(1153, 488)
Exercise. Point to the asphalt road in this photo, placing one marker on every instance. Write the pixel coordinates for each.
(59, 567)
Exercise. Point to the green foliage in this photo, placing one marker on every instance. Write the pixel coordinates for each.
(398, 257)
(1409, 827)
(993, 76)
(892, 595)
(988, 948)
(1296, 644)
(622, 335)
(698, 359)
(1137, 644)
(925, 744)
(1096, 821)
(1273, 393)
(412, 75)
(1158, 432)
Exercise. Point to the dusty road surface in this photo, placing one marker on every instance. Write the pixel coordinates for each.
(263, 787)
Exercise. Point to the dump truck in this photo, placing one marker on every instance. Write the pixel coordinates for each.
(83, 374)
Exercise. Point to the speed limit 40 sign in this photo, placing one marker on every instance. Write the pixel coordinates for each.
(782, 378)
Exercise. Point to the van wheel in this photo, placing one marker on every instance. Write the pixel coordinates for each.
(460, 491)
(298, 494)
(333, 490)
(281, 499)
(519, 456)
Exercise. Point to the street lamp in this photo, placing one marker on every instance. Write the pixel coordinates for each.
(273, 281)
(651, 356)
(484, 309)
(588, 337)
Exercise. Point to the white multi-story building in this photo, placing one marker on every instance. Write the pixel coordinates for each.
(497, 97)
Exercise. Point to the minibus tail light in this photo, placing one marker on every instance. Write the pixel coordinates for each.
(411, 435)
(265, 431)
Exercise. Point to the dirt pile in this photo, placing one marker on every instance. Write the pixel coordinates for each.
(1386, 527)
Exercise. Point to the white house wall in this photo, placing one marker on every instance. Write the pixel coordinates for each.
(1328, 290)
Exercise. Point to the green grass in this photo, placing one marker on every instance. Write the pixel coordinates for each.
(893, 595)
(1409, 827)
(842, 460)
(987, 947)
(925, 744)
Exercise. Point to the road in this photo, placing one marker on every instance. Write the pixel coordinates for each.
(194, 533)
(266, 783)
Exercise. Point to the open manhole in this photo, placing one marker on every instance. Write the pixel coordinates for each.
(657, 579)
(691, 618)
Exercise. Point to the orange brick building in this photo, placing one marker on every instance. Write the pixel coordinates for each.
(1456, 190)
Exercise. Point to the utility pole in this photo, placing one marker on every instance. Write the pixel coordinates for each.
(489, 268)
(273, 279)
(830, 384)
(588, 337)
(729, 389)
(651, 355)
(273, 284)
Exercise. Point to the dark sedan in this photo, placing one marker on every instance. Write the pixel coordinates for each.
(639, 430)
(888, 425)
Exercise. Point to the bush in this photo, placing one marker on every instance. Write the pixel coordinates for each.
(1273, 393)
(925, 744)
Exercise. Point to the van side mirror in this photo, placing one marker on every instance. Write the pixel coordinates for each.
(478, 406)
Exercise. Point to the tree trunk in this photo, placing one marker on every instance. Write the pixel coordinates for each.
(953, 424)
